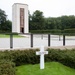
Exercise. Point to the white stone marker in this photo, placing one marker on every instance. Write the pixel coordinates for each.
(41, 53)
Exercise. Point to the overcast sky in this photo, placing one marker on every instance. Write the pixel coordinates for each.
(50, 8)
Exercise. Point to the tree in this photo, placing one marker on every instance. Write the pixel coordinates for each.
(37, 21)
(49, 23)
(2, 19)
(67, 22)
(5, 25)
(8, 25)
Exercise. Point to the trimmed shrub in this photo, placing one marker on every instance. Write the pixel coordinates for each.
(21, 57)
(6, 55)
(70, 31)
(25, 57)
(54, 31)
(46, 31)
(66, 57)
(7, 67)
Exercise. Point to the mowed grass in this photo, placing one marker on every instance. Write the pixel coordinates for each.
(8, 36)
(51, 68)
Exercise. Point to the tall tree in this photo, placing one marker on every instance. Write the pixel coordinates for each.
(8, 26)
(5, 25)
(37, 21)
(2, 19)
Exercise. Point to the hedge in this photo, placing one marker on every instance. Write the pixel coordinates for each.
(69, 30)
(21, 57)
(7, 67)
(66, 57)
(54, 31)
(46, 31)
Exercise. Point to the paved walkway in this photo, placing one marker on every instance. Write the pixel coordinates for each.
(40, 40)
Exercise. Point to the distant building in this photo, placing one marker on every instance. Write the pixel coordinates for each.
(20, 18)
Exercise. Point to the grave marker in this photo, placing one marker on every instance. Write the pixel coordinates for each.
(41, 53)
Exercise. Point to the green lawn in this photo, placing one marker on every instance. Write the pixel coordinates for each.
(7, 36)
(51, 68)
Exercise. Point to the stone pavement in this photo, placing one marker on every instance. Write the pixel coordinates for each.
(24, 43)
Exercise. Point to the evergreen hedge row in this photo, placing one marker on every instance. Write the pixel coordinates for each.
(69, 31)
(7, 67)
(45, 31)
(66, 57)
(21, 57)
(54, 31)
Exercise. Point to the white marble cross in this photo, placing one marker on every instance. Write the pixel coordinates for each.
(41, 53)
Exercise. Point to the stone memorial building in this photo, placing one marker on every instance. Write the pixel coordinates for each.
(20, 18)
